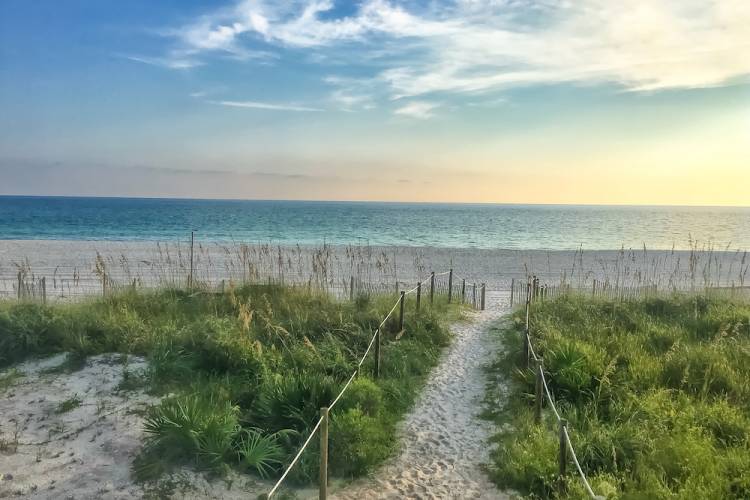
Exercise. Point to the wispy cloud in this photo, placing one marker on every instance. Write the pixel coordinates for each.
(265, 105)
(166, 62)
(469, 46)
(417, 109)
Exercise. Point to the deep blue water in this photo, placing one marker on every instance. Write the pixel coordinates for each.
(415, 224)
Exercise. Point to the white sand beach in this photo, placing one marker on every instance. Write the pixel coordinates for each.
(72, 268)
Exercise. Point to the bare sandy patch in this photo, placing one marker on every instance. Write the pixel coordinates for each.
(75, 436)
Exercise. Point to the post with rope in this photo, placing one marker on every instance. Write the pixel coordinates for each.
(526, 328)
(450, 285)
(432, 287)
(538, 394)
(401, 312)
(562, 457)
(419, 295)
(484, 290)
(377, 353)
(323, 487)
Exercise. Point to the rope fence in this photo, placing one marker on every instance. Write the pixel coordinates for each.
(607, 290)
(566, 449)
(322, 423)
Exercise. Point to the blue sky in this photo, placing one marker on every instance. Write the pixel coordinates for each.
(499, 101)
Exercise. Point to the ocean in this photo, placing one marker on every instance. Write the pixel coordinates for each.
(484, 226)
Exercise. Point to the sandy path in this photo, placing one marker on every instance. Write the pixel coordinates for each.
(444, 443)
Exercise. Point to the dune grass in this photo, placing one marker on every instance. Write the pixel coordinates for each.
(656, 392)
(246, 371)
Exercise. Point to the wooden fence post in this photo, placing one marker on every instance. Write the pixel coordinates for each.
(526, 349)
(351, 288)
(20, 285)
(484, 289)
(474, 295)
(43, 282)
(419, 295)
(562, 461)
(512, 290)
(401, 312)
(539, 392)
(450, 285)
(432, 287)
(323, 486)
(526, 339)
(593, 289)
(377, 353)
(463, 291)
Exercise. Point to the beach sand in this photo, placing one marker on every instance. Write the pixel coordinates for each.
(70, 267)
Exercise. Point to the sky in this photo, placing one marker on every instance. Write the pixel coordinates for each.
(505, 101)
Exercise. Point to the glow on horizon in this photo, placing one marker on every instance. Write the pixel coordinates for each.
(590, 102)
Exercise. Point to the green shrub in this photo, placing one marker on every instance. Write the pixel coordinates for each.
(365, 395)
(358, 443)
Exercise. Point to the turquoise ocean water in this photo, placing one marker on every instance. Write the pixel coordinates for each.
(553, 227)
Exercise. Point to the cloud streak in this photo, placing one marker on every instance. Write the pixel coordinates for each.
(265, 105)
(417, 109)
(470, 47)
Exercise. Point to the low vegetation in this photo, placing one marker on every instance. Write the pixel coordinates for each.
(656, 392)
(245, 372)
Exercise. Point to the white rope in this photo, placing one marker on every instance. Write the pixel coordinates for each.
(299, 454)
(531, 347)
(549, 397)
(372, 341)
(578, 465)
(342, 391)
(389, 314)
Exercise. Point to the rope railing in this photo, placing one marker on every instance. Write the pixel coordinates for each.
(586, 484)
(323, 420)
(296, 458)
(566, 445)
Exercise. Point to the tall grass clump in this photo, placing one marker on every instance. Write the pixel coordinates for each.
(656, 392)
(248, 369)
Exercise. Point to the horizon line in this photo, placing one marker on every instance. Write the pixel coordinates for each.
(301, 200)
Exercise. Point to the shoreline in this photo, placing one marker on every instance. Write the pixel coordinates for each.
(700, 246)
